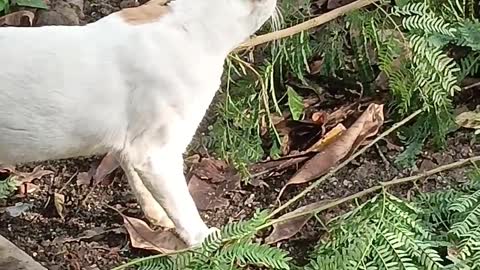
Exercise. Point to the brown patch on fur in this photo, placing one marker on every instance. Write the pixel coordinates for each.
(149, 12)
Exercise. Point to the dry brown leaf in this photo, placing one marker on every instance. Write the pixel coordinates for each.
(209, 180)
(7, 169)
(285, 145)
(59, 202)
(143, 237)
(108, 164)
(330, 137)
(92, 234)
(468, 120)
(319, 118)
(216, 171)
(316, 66)
(37, 173)
(366, 126)
(85, 235)
(84, 178)
(341, 114)
(205, 195)
(279, 164)
(288, 228)
(18, 18)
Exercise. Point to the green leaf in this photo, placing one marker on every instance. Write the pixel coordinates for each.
(295, 103)
(32, 3)
(3, 5)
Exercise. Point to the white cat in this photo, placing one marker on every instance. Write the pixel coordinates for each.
(135, 83)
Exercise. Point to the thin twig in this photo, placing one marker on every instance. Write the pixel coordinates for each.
(68, 182)
(471, 86)
(344, 163)
(317, 21)
(382, 156)
(360, 194)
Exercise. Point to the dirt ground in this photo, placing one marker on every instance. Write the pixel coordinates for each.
(91, 236)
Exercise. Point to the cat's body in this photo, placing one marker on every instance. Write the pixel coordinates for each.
(135, 83)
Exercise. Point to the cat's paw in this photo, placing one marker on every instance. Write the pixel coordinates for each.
(198, 238)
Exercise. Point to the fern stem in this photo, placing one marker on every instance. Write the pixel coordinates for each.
(373, 189)
(148, 258)
(344, 163)
(317, 21)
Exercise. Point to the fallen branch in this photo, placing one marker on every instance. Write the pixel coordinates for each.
(382, 185)
(344, 163)
(317, 21)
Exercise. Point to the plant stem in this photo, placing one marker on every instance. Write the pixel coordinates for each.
(317, 21)
(344, 163)
(376, 188)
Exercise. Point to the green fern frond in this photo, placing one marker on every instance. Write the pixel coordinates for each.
(393, 251)
(255, 254)
(469, 65)
(469, 244)
(408, 157)
(212, 243)
(7, 187)
(465, 202)
(441, 67)
(164, 263)
(410, 9)
(428, 24)
(244, 228)
(330, 47)
(469, 35)
(437, 208)
(467, 222)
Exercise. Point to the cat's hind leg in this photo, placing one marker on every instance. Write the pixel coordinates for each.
(150, 207)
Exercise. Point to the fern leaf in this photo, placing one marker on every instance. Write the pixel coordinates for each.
(428, 24)
(256, 254)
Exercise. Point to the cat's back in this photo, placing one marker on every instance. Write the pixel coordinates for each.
(59, 84)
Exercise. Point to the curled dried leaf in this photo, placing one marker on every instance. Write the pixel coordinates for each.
(366, 126)
(468, 120)
(292, 225)
(108, 164)
(330, 137)
(143, 237)
(24, 177)
(18, 18)
(59, 202)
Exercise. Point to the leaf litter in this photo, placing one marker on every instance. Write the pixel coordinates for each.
(470, 120)
(292, 225)
(209, 181)
(367, 125)
(23, 180)
(18, 18)
(144, 237)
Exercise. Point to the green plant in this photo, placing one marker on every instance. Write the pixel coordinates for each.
(390, 233)
(7, 187)
(230, 248)
(6, 5)
(409, 42)
(438, 230)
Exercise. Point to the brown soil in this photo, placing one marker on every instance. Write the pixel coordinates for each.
(61, 243)
(58, 244)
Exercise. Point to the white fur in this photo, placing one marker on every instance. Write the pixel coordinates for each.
(138, 91)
